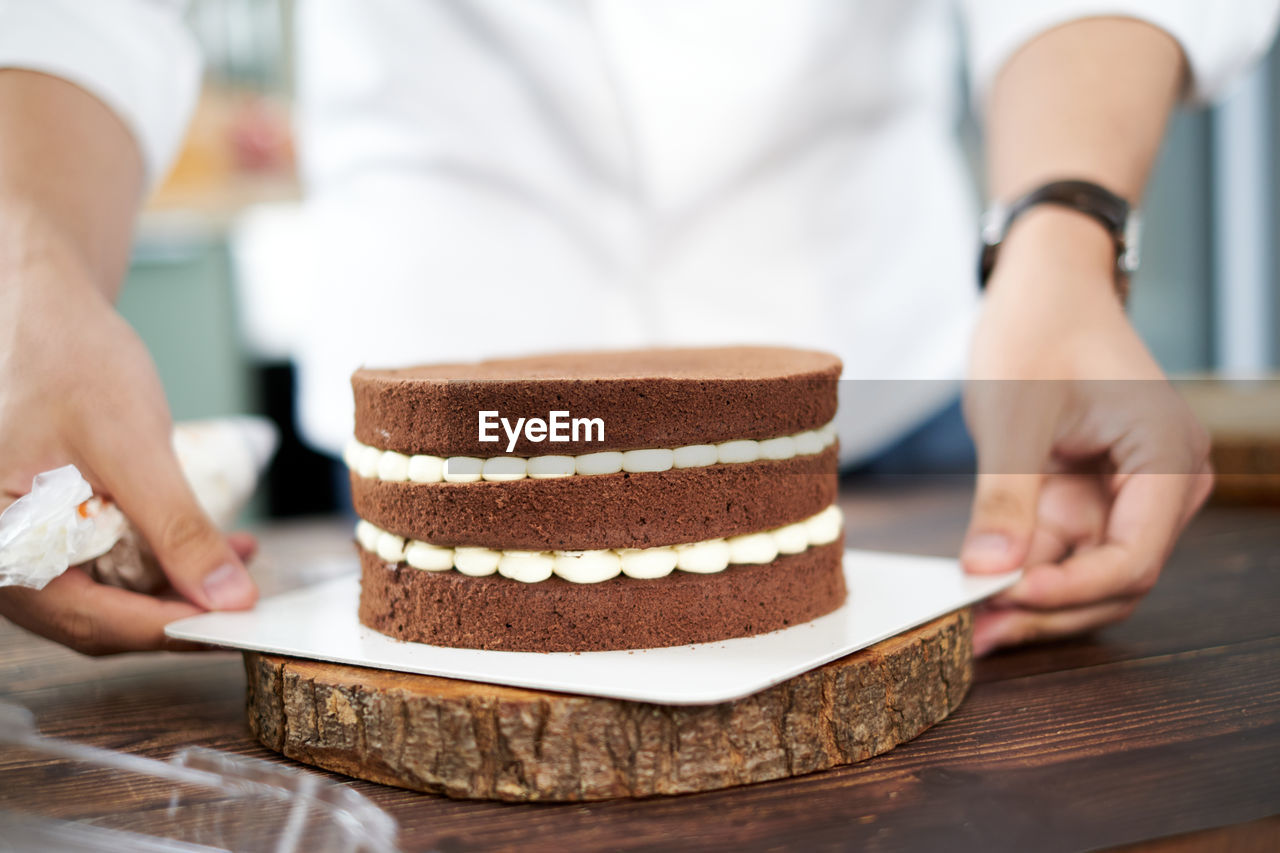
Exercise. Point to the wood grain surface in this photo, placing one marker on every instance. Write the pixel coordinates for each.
(484, 741)
(1164, 727)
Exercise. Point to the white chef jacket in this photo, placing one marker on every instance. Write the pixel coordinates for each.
(487, 177)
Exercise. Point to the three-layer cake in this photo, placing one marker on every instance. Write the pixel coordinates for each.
(587, 501)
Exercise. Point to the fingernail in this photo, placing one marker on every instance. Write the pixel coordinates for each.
(987, 552)
(228, 587)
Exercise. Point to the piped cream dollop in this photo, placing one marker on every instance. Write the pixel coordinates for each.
(705, 557)
(394, 467)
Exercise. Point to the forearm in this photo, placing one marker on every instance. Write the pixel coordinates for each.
(71, 178)
(1086, 100)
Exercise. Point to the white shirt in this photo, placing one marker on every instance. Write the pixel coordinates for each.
(487, 177)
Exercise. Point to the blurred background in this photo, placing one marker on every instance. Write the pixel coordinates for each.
(1205, 299)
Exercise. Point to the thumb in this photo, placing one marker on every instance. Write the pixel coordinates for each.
(147, 484)
(1012, 424)
(1002, 522)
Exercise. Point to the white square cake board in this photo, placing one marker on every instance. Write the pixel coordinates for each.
(888, 594)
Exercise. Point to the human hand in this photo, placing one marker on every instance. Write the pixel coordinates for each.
(78, 386)
(1089, 463)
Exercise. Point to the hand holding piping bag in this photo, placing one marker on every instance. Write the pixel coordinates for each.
(51, 528)
(168, 487)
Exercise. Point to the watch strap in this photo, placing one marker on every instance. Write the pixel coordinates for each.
(1111, 211)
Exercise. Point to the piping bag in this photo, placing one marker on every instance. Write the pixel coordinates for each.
(62, 523)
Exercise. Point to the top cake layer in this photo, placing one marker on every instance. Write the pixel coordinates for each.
(645, 399)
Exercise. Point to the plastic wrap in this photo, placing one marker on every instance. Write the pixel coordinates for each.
(61, 523)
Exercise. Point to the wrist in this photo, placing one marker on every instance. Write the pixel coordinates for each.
(36, 255)
(1055, 247)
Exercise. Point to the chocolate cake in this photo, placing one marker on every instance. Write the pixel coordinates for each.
(590, 501)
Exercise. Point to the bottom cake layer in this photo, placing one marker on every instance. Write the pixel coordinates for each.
(451, 609)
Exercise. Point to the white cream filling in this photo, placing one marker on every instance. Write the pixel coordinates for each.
(396, 467)
(706, 557)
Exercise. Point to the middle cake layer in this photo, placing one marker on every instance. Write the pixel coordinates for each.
(606, 511)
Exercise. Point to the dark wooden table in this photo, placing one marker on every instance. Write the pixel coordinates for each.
(1162, 732)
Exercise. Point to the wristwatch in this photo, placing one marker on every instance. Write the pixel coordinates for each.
(1110, 210)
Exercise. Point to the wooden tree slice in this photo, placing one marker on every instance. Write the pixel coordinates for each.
(483, 741)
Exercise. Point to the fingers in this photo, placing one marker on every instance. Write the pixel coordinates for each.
(1000, 627)
(1072, 514)
(1002, 522)
(144, 479)
(1146, 516)
(95, 619)
(1118, 541)
(1013, 426)
(1072, 517)
(1047, 546)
